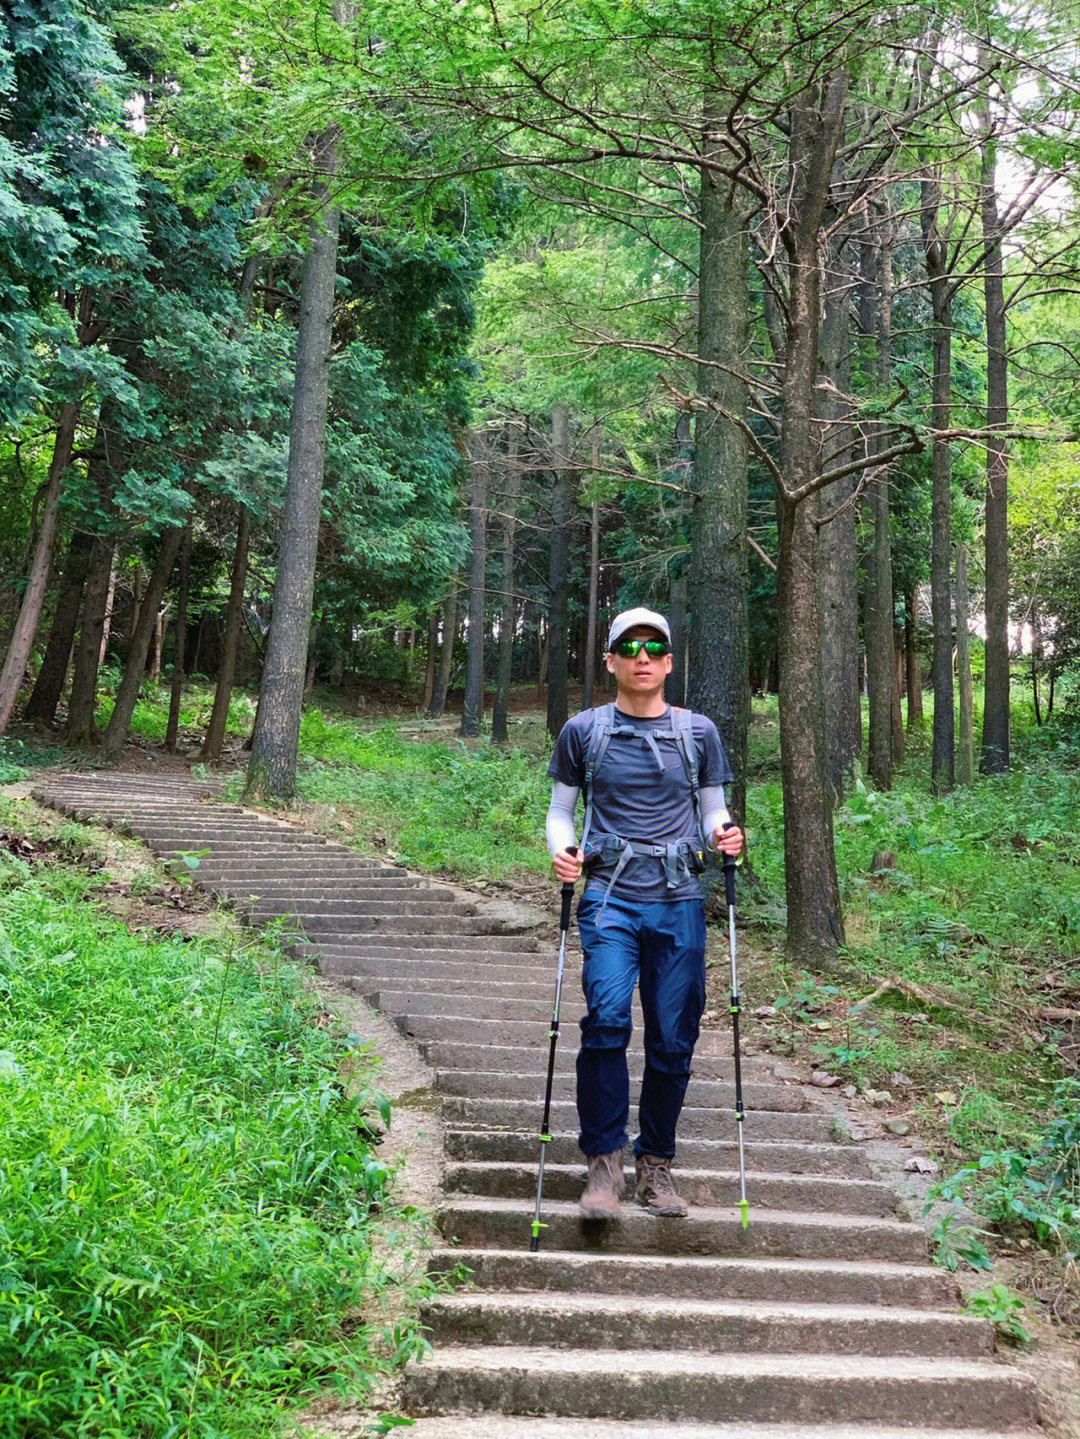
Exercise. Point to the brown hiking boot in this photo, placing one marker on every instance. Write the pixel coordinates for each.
(654, 1188)
(606, 1184)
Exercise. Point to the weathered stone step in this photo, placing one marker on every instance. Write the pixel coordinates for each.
(759, 1387)
(479, 946)
(360, 906)
(320, 871)
(363, 887)
(699, 1187)
(772, 1233)
(494, 1426)
(494, 975)
(712, 1057)
(787, 1281)
(702, 1093)
(447, 926)
(622, 1321)
(777, 1157)
(694, 1123)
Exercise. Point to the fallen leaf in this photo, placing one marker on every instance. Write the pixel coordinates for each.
(822, 1079)
(919, 1165)
(944, 1096)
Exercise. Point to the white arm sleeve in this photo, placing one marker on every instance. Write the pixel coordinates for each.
(560, 817)
(714, 810)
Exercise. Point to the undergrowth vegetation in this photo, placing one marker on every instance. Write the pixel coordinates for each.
(192, 1204)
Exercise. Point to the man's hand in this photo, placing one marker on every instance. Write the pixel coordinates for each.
(729, 841)
(567, 866)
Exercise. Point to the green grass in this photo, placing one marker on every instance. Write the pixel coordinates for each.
(189, 1196)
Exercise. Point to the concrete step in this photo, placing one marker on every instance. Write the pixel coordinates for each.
(478, 946)
(703, 1188)
(364, 887)
(319, 871)
(491, 1146)
(441, 927)
(772, 1233)
(345, 907)
(712, 1057)
(494, 1426)
(703, 1326)
(716, 1277)
(764, 1388)
(694, 1123)
(702, 1093)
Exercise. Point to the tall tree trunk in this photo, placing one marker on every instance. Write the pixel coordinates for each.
(429, 660)
(965, 759)
(161, 626)
(22, 636)
(215, 730)
(837, 567)
(814, 919)
(879, 616)
(41, 706)
(275, 740)
(943, 757)
(96, 597)
(675, 685)
(995, 734)
(896, 689)
(558, 577)
(719, 672)
(914, 669)
(110, 605)
(472, 709)
(589, 687)
(500, 712)
(177, 687)
(116, 732)
(446, 654)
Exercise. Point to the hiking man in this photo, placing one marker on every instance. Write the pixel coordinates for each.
(654, 781)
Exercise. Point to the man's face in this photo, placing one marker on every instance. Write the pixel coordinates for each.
(642, 673)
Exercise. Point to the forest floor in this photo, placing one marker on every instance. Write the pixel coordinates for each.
(951, 1030)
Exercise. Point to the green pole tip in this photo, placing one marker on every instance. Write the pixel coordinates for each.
(744, 1207)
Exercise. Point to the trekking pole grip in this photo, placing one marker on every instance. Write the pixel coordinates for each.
(729, 872)
(567, 897)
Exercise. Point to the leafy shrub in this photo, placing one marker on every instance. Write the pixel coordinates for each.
(187, 1192)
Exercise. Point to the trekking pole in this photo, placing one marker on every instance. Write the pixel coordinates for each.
(729, 885)
(545, 1135)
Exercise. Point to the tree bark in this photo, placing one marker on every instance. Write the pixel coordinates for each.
(814, 919)
(219, 715)
(177, 687)
(879, 616)
(429, 659)
(942, 763)
(96, 596)
(914, 669)
(116, 732)
(500, 711)
(965, 760)
(41, 706)
(994, 758)
(675, 685)
(472, 709)
(837, 567)
(589, 687)
(719, 671)
(275, 740)
(22, 636)
(446, 654)
(558, 622)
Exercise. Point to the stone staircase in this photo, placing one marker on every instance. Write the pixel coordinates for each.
(823, 1320)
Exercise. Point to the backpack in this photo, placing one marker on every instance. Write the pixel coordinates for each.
(605, 725)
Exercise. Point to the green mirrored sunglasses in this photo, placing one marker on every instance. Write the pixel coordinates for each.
(630, 649)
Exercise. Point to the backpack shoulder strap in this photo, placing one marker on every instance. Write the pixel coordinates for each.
(682, 721)
(599, 737)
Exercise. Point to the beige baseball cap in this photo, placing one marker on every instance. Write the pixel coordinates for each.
(629, 619)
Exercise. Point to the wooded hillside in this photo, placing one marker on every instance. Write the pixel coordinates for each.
(394, 348)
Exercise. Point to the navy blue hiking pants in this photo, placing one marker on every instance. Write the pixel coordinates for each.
(661, 947)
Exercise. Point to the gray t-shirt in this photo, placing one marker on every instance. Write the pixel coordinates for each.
(634, 800)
